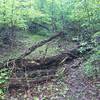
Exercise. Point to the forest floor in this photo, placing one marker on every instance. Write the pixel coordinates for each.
(70, 83)
(80, 87)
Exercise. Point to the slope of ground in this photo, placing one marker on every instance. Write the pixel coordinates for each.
(69, 82)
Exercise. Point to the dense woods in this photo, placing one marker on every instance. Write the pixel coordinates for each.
(49, 45)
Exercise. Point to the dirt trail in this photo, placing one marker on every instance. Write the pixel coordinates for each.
(80, 88)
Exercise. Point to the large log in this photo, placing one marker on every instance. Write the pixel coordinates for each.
(41, 64)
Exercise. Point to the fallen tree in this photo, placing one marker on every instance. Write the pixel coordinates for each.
(37, 64)
(39, 44)
(30, 50)
(41, 63)
(45, 68)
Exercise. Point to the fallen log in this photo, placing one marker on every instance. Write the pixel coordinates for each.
(41, 64)
(39, 44)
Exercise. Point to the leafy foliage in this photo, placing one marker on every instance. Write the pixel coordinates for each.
(4, 77)
(91, 66)
(19, 12)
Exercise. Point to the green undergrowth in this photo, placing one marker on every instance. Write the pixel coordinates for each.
(4, 78)
(91, 66)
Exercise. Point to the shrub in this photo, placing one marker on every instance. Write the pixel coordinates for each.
(91, 66)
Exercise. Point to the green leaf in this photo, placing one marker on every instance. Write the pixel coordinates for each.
(2, 81)
(1, 91)
(3, 74)
(36, 98)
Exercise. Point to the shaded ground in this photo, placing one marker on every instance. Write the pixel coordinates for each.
(81, 88)
(69, 84)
